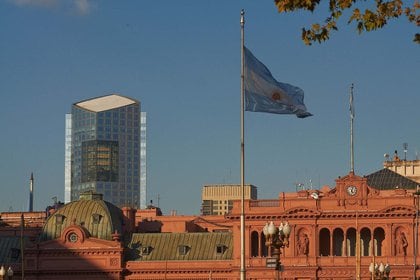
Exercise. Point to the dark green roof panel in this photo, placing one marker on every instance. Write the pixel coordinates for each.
(386, 179)
(168, 246)
(10, 249)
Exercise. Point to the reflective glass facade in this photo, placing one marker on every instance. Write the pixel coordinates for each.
(105, 150)
(99, 161)
(143, 159)
(67, 160)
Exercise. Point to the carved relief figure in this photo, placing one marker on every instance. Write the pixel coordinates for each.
(303, 245)
(401, 244)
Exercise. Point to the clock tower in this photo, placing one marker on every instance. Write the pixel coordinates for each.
(352, 191)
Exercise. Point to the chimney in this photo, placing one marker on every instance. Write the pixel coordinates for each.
(31, 193)
(130, 218)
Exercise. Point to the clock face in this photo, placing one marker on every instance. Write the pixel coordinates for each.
(73, 237)
(351, 190)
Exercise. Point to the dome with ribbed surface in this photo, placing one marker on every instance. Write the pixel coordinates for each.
(98, 217)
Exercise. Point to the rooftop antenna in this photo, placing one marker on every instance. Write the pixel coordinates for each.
(319, 181)
(54, 198)
(351, 130)
(405, 146)
(299, 186)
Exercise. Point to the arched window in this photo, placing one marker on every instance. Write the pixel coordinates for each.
(264, 250)
(378, 237)
(338, 240)
(254, 244)
(324, 242)
(365, 242)
(351, 242)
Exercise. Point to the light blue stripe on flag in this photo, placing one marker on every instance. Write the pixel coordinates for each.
(263, 93)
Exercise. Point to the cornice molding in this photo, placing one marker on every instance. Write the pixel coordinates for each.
(398, 211)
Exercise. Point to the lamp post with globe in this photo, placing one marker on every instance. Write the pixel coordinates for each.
(10, 273)
(379, 272)
(2, 272)
(276, 238)
(6, 274)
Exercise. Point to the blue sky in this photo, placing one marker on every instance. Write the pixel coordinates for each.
(181, 59)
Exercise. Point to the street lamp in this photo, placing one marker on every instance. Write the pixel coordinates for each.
(2, 272)
(10, 273)
(276, 238)
(379, 272)
(387, 270)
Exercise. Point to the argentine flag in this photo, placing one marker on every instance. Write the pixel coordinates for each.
(263, 93)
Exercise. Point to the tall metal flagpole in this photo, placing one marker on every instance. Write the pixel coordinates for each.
(351, 130)
(243, 270)
(416, 237)
(22, 246)
(352, 171)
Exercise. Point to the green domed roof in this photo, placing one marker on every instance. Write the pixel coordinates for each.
(100, 218)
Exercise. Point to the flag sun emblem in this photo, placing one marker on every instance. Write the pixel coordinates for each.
(276, 96)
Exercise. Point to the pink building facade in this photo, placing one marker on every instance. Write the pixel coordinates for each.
(337, 233)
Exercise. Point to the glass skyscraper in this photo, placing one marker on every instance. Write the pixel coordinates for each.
(105, 150)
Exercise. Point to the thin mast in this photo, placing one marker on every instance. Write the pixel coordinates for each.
(243, 270)
(351, 130)
(31, 193)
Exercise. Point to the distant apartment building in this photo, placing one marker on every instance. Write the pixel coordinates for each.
(218, 199)
(105, 150)
(404, 167)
